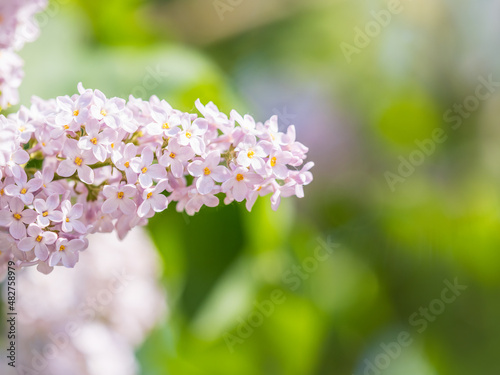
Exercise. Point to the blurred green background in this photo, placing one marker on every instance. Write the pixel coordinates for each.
(361, 116)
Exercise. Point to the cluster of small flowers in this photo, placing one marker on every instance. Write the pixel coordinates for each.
(64, 328)
(17, 27)
(84, 164)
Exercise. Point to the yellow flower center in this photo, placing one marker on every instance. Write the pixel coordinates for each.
(45, 214)
(112, 145)
(39, 239)
(260, 188)
(144, 170)
(67, 219)
(103, 112)
(165, 126)
(140, 133)
(44, 144)
(207, 171)
(188, 135)
(66, 127)
(250, 154)
(120, 195)
(76, 113)
(172, 155)
(2, 192)
(94, 141)
(17, 216)
(22, 129)
(273, 161)
(127, 164)
(239, 177)
(23, 191)
(149, 195)
(78, 161)
(62, 248)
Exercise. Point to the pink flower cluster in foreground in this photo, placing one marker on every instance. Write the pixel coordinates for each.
(78, 165)
(17, 27)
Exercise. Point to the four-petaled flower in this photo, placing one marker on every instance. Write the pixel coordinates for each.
(77, 161)
(241, 183)
(154, 200)
(16, 217)
(66, 252)
(37, 239)
(207, 172)
(119, 197)
(147, 171)
(96, 140)
(47, 210)
(71, 214)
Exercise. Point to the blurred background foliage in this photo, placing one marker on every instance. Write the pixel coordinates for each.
(394, 249)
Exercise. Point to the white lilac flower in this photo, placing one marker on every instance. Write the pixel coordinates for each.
(252, 153)
(38, 240)
(47, 210)
(123, 163)
(96, 140)
(164, 123)
(24, 189)
(73, 111)
(192, 133)
(71, 214)
(147, 171)
(241, 183)
(208, 172)
(153, 199)
(176, 157)
(77, 161)
(16, 217)
(277, 163)
(119, 198)
(66, 252)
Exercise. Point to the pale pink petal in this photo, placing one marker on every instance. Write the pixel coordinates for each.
(128, 206)
(86, 174)
(144, 208)
(239, 191)
(41, 251)
(196, 168)
(5, 218)
(16, 205)
(26, 244)
(17, 229)
(204, 184)
(157, 171)
(220, 173)
(145, 180)
(110, 205)
(79, 227)
(66, 169)
(55, 258)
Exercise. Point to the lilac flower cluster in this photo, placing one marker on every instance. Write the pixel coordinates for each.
(17, 27)
(78, 165)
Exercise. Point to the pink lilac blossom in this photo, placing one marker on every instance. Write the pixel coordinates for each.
(86, 321)
(114, 164)
(17, 27)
